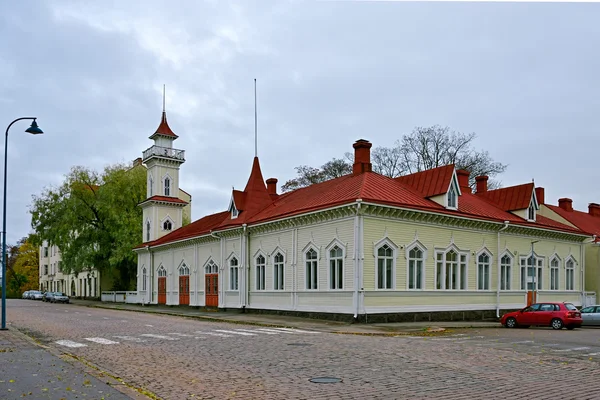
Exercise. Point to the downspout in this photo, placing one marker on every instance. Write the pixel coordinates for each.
(151, 283)
(506, 223)
(357, 262)
(220, 288)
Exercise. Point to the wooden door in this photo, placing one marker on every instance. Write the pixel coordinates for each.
(211, 290)
(184, 290)
(162, 290)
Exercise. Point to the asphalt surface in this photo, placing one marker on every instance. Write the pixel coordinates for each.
(170, 357)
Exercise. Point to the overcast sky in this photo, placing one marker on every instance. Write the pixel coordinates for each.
(523, 77)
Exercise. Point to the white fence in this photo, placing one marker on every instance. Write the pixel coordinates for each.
(120, 297)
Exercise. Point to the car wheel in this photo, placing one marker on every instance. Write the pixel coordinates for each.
(556, 324)
(511, 323)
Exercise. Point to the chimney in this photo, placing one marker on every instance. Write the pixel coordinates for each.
(566, 204)
(481, 183)
(272, 186)
(539, 194)
(362, 157)
(594, 209)
(137, 161)
(463, 179)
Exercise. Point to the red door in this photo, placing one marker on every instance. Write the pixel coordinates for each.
(162, 290)
(184, 290)
(211, 290)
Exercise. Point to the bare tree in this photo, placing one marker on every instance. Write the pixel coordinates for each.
(424, 148)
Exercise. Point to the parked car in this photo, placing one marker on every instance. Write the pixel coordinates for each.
(48, 296)
(590, 315)
(25, 294)
(59, 297)
(36, 295)
(556, 315)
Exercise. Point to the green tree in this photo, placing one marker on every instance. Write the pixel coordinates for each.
(94, 219)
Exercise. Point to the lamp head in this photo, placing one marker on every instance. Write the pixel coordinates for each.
(34, 129)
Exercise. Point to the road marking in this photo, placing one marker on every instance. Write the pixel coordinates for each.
(152, 335)
(572, 349)
(294, 330)
(101, 340)
(522, 341)
(211, 334)
(130, 338)
(235, 333)
(89, 315)
(257, 331)
(180, 334)
(105, 317)
(273, 331)
(70, 343)
(591, 354)
(149, 325)
(123, 320)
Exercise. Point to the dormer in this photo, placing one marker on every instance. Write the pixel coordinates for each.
(443, 185)
(520, 200)
(236, 205)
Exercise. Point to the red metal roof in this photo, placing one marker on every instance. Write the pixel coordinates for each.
(510, 198)
(430, 183)
(164, 128)
(165, 199)
(582, 220)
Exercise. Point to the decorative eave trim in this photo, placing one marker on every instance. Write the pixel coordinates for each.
(204, 238)
(163, 202)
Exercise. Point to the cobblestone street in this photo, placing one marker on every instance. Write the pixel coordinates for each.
(177, 358)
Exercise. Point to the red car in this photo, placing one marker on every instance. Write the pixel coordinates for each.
(555, 315)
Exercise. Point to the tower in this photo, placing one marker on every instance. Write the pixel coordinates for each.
(162, 209)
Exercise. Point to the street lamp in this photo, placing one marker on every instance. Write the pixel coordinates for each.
(34, 130)
(534, 275)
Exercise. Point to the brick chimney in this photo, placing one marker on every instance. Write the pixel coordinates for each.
(137, 161)
(539, 194)
(272, 186)
(463, 179)
(481, 183)
(594, 209)
(566, 204)
(362, 157)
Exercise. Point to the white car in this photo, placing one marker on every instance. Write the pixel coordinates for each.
(35, 295)
(25, 294)
(591, 315)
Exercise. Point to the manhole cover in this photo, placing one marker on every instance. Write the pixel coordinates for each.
(325, 379)
(299, 344)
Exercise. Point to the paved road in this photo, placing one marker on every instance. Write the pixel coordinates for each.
(178, 358)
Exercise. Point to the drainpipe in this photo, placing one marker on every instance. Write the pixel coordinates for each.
(220, 289)
(357, 262)
(151, 283)
(499, 271)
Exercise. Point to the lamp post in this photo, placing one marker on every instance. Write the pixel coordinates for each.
(34, 130)
(534, 275)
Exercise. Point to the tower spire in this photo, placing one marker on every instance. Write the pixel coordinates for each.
(164, 109)
(255, 124)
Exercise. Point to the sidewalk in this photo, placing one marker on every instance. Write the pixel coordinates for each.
(399, 328)
(27, 370)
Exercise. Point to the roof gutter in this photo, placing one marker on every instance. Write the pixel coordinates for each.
(506, 223)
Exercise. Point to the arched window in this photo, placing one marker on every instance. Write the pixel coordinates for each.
(260, 272)
(483, 271)
(415, 268)
(144, 279)
(211, 268)
(167, 225)
(184, 270)
(336, 268)
(167, 186)
(554, 272)
(385, 267)
(151, 186)
(505, 272)
(452, 197)
(233, 274)
(312, 266)
(162, 272)
(570, 274)
(451, 270)
(147, 231)
(278, 264)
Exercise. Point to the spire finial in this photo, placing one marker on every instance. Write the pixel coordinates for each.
(164, 98)
(255, 124)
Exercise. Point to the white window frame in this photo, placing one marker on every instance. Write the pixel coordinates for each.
(161, 272)
(144, 279)
(453, 193)
(311, 280)
(211, 267)
(554, 272)
(461, 266)
(151, 185)
(170, 221)
(386, 284)
(335, 267)
(184, 270)
(570, 273)
(148, 230)
(487, 280)
(278, 270)
(506, 271)
(261, 267)
(234, 273)
(539, 261)
(167, 185)
(418, 284)
(234, 212)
